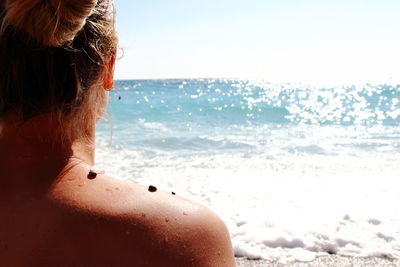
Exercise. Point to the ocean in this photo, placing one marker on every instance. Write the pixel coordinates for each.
(296, 171)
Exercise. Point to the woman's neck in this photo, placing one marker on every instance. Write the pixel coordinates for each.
(30, 152)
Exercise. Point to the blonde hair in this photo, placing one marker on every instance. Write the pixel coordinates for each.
(51, 22)
(53, 55)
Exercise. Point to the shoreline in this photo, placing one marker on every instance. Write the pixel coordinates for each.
(324, 261)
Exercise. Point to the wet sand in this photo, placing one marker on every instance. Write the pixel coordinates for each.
(326, 261)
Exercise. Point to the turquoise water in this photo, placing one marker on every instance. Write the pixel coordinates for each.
(216, 116)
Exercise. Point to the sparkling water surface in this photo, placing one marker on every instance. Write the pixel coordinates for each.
(224, 115)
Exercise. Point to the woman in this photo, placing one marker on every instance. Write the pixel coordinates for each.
(56, 65)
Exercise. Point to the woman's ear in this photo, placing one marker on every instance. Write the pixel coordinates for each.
(109, 74)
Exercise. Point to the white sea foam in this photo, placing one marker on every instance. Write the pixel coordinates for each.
(283, 207)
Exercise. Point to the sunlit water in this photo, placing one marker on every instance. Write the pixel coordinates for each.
(295, 171)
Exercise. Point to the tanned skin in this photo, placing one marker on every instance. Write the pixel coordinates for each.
(52, 214)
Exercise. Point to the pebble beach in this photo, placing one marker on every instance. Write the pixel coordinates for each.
(326, 261)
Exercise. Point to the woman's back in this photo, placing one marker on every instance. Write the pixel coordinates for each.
(106, 222)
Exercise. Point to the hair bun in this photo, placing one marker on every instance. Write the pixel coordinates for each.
(51, 22)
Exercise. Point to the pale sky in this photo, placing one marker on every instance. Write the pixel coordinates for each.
(288, 40)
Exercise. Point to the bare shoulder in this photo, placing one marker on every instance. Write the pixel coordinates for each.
(120, 223)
